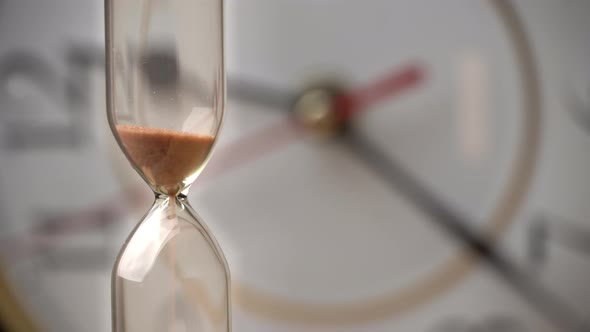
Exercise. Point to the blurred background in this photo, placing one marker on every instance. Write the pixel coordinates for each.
(457, 201)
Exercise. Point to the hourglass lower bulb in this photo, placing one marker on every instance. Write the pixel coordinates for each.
(171, 274)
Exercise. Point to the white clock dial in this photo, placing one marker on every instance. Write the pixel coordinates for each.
(338, 245)
(318, 235)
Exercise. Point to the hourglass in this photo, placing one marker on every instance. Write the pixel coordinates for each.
(165, 97)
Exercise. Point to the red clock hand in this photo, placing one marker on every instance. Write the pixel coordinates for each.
(364, 97)
(279, 134)
(252, 147)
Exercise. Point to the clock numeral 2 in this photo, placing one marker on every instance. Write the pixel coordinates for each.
(68, 94)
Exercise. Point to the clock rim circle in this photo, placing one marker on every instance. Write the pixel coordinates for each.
(450, 273)
(456, 268)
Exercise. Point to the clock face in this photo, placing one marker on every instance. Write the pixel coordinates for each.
(447, 149)
(358, 249)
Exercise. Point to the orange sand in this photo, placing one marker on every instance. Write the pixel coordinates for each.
(166, 157)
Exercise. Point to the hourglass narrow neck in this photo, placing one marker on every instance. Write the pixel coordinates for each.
(182, 196)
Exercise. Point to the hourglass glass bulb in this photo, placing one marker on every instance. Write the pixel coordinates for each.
(165, 100)
(167, 86)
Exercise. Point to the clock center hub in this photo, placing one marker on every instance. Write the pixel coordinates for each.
(323, 110)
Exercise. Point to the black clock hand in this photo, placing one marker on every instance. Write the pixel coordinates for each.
(403, 182)
(257, 92)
